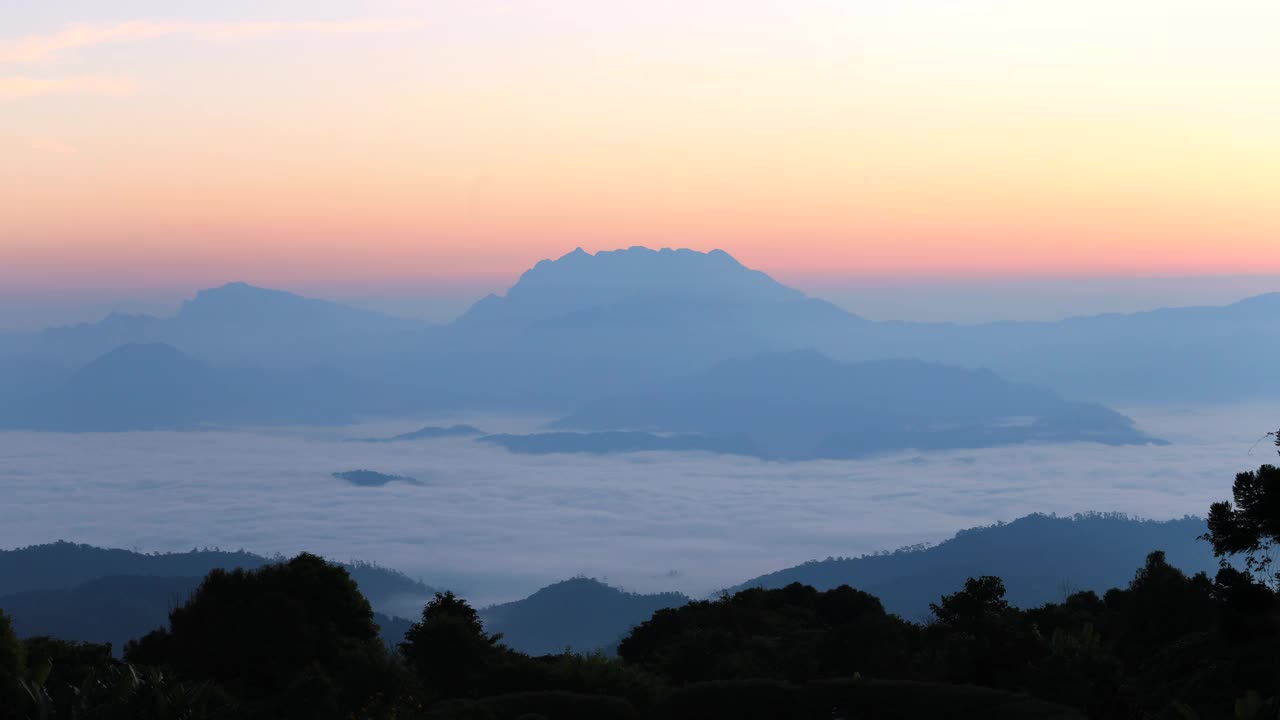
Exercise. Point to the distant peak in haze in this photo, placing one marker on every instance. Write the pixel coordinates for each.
(151, 357)
(641, 270)
(241, 304)
(580, 279)
(243, 293)
(237, 286)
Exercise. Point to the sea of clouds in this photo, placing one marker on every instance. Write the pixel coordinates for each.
(496, 526)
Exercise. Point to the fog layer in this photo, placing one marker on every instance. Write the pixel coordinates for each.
(496, 526)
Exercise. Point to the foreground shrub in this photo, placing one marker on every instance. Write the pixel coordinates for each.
(552, 705)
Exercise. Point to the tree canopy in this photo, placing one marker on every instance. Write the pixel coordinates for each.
(294, 639)
(1250, 525)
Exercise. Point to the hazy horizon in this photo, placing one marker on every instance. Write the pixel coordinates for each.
(875, 298)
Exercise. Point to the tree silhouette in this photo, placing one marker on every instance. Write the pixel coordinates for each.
(12, 666)
(449, 649)
(1250, 526)
(1160, 605)
(981, 638)
(293, 640)
(981, 600)
(794, 633)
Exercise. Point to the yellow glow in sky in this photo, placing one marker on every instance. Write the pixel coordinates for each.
(401, 141)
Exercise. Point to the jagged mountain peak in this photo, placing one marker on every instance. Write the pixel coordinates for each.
(639, 269)
(580, 280)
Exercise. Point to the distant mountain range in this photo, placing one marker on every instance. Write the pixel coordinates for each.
(1042, 558)
(611, 442)
(156, 387)
(801, 405)
(430, 432)
(574, 331)
(1173, 355)
(63, 565)
(233, 325)
(789, 406)
(80, 592)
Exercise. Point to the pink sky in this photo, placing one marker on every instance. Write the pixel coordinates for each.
(388, 142)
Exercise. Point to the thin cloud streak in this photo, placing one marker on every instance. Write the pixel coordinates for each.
(20, 86)
(50, 46)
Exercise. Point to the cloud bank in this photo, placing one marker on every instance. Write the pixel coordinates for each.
(497, 526)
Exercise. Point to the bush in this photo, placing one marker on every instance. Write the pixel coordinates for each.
(294, 639)
(736, 700)
(552, 705)
(13, 667)
(897, 699)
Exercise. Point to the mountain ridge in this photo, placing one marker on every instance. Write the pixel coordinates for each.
(155, 386)
(802, 405)
(601, 615)
(1039, 557)
(583, 326)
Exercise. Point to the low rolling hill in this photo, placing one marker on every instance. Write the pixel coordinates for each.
(581, 614)
(1040, 557)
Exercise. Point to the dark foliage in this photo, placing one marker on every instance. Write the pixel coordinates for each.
(1250, 526)
(81, 680)
(295, 639)
(903, 700)
(453, 658)
(851, 698)
(795, 634)
(449, 648)
(13, 664)
(548, 704)
(65, 666)
(979, 639)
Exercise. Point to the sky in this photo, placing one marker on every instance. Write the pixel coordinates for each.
(391, 149)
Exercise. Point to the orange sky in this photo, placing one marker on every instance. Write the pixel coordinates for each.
(402, 142)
